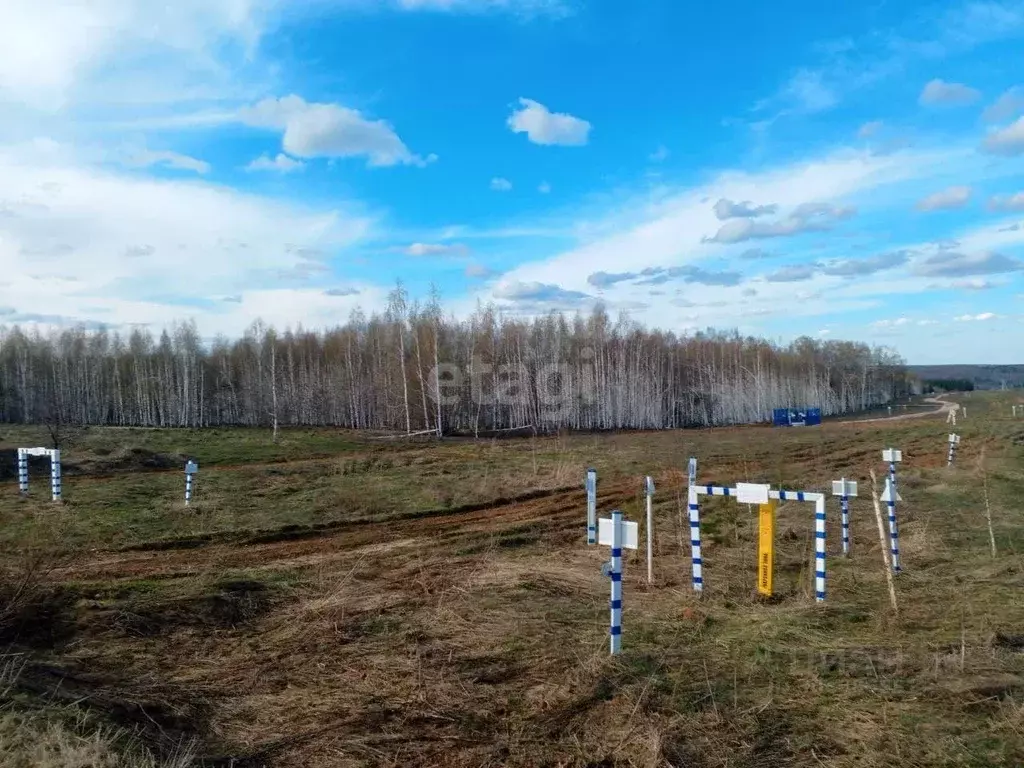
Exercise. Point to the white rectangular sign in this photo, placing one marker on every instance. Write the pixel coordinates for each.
(891, 454)
(954, 439)
(844, 487)
(752, 493)
(37, 451)
(191, 468)
(693, 471)
(630, 533)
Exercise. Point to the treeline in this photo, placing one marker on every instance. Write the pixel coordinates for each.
(384, 372)
(948, 385)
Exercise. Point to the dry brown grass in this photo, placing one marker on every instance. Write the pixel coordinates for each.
(476, 633)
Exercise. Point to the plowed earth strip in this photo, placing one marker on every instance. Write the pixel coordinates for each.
(559, 508)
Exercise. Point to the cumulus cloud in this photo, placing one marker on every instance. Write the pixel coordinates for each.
(146, 158)
(542, 126)
(893, 323)
(1007, 106)
(956, 264)
(662, 275)
(976, 318)
(435, 249)
(791, 274)
(282, 164)
(727, 209)
(973, 284)
(499, 184)
(940, 93)
(869, 266)
(755, 253)
(952, 197)
(330, 130)
(1006, 141)
(806, 217)
(541, 293)
(1007, 203)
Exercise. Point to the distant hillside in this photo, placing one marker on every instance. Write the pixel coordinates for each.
(983, 376)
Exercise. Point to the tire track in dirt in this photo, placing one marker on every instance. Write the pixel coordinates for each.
(556, 507)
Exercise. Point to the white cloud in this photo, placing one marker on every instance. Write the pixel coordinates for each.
(544, 127)
(499, 184)
(940, 93)
(1007, 106)
(946, 263)
(51, 50)
(896, 323)
(1007, 203)
(806, 217)
(1006, 141)
(525, 7)
(976, 318)
(952, 197)
(870, 129)
(727, 209)
(144, 250)
(330, 130)
(282, 163)
(435, 249)
(146, 158)
(544, 188)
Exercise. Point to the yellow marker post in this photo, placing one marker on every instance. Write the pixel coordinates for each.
(765, 547)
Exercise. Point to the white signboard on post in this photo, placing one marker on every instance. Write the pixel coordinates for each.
(844, 487)
(752, 493)
(630, 533)
(891, 454)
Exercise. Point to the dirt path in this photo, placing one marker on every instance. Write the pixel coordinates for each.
(304, 548)
(944, 407)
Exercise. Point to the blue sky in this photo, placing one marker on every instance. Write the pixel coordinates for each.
(768, 167)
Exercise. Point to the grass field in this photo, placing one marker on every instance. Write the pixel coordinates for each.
(337, 600)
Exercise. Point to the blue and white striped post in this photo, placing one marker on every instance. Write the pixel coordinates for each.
(954, 441)
(819, 549)
(591, 486)
(893, 456)
(615, 628)
(695, 552)
(22, 471)
(649, 491)
(844, 489)
(55, 479)
(754, 493)
(191, 468)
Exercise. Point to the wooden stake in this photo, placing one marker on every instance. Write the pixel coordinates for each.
(988, 508)
(882, 541)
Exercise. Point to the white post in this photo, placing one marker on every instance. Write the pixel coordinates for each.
(954, 441)
(591, 485)
(844, 489)
(819, 549)
(695, 556)
(55, 474)
(22, 471)
(963, 410)
(649, 488)
(893, 456)
(615, 630)
(191, 468)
